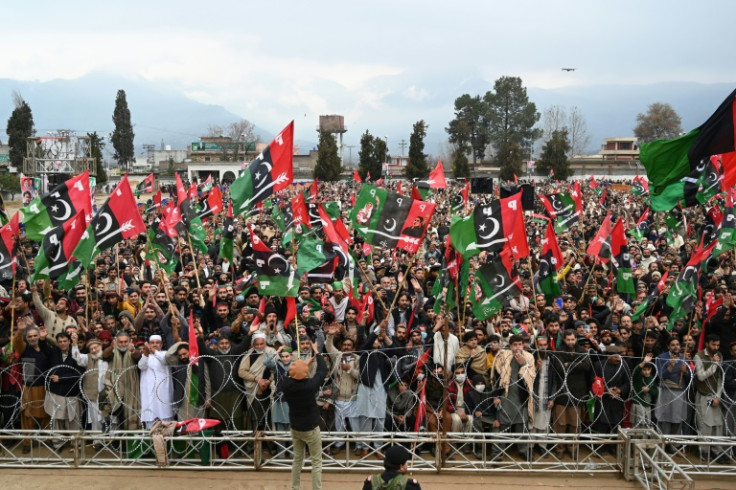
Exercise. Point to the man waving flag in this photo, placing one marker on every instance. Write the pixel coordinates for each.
(58, 206)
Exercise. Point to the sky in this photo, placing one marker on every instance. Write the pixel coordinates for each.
(382, 64)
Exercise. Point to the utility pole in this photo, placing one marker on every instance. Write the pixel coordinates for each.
(402, 145)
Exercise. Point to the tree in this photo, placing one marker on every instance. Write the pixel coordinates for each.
(509, 158)
(328, 165)
(368, 157)
(470, 128)
(96, 145)
(511, 116)
(10, 183)
(241, 134)
(555, 156)
(553, 119)
(122, 135)
(20, 128)
(660, 122)
(380, 153)
(417, 167)
(578, 132)
(460, 166)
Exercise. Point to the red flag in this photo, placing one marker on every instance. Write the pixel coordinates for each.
(466, 191)
(662, 281)
(577, 196)
(313, 190)
(366, 305)
(290, 311)
(261, 309)
(367, 249)
(356, 177)
(8, 240)
(453, 259)
(415, 193)
(214, 201)
(379, 182)
(299, 212)
(601, 245)
(193, 346)
(398, 188)
(157, 199)
(333, 236)
(437, 177)
(517, 240)
(516, 180)
(170, 217)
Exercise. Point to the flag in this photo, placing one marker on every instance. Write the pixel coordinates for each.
(550, 260)
(270, 172)
(162, 248)
(212, 204)
(674, 167)
(55, 253)
(58, 206)
(290, 311)
(197, 234)
(390, 220)
(641, 186)
(356, 177)
(563, 208)
(601, 245)
(683, 294)
(640, 310)
(207, 184)
(193, 346)
(4, 220)
(145, 186)
(643, 226)
(603, 201)
(117, 220)
(726, 232)
(228, 235)
(620, 251)
(497, 286)
(488, 228)
(157, 199)
(437, 177)
(312, 254)
(336, 235)
(8, 247)
(276, 276)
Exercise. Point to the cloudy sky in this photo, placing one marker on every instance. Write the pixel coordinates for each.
(271, 62)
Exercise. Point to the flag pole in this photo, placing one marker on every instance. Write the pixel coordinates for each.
(12, 315)
(296, 316)
(373, 286)
(590, 276)
(196, 274)
(401, 284)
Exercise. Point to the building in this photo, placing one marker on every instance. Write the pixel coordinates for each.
(223, 148)
(617, 156)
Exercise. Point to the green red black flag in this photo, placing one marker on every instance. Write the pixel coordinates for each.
(550, 260)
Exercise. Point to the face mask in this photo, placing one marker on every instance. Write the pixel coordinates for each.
(424, 336)
(480, 388)
(420, 376)
(460, 378)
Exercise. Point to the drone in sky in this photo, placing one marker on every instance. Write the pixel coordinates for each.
(568, 69)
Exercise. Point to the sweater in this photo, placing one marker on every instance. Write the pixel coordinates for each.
(301, 397)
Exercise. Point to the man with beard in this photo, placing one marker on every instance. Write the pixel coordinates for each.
(122, 382)
(616, 378)
(338, 301)
(709, 396)
(544, 388)
(190, 385)
(257, 379)
(93, 380)
(55, 320)
(30, 344)
(472, 355)
(345, 374)
(225, 403)
(80, 300)
(674, 378)
(62, 397)
(157, 390)
(571, 370)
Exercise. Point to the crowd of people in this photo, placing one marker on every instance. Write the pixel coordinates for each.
(114, 352)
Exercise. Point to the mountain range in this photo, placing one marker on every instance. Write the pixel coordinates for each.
(164, 116)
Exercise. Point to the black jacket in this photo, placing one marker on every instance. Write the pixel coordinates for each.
(301, 397)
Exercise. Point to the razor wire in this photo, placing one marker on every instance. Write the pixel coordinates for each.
(408, 393)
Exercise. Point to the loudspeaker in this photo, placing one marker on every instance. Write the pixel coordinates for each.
(481, 185)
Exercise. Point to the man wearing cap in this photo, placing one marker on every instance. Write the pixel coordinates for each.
(300, 393)
(93, 379)
(258, 380)
(157, 389)
(339, 301)
(396, 464)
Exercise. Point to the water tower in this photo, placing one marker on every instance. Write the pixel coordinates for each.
(334, 124)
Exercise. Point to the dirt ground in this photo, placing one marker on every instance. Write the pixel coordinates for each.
(42, 479)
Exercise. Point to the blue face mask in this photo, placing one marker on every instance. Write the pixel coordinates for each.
(424, 336)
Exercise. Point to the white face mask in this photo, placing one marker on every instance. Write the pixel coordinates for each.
(480, 388)
(420, 376)
(460, 378)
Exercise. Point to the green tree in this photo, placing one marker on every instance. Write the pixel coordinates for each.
(369, 161)
(509, 158)
(417, 167)
(10, 183)
(512, 119)
(471, 125)
(380, 153)
(96, 145)
(460, 166)
(328, 165)
(555, 156)
(20, 127)
(660, 122)
(122, 135)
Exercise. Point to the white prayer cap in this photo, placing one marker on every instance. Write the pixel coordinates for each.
(259, 335)
(155, 337)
